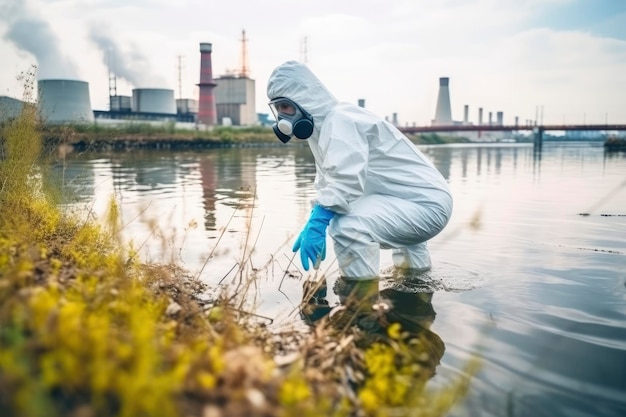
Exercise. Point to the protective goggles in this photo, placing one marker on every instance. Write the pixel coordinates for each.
(283, 108)
(290, 120)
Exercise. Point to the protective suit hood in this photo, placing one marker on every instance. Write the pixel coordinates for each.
(296, 82)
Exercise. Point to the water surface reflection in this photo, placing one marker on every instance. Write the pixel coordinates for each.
(529, 274)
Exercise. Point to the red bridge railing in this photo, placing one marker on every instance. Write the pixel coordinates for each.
(508, 128)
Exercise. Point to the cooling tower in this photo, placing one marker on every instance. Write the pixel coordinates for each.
(207, 112)
(443, 115)
(64, 101)
(153, 100)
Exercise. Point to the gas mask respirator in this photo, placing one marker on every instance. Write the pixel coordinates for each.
(291, 120)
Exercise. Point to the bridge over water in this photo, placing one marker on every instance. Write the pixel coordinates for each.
(538, 130)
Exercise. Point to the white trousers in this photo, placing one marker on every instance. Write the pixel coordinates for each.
(384, 222)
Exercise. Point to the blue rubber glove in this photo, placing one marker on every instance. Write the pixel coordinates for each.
(312, 239)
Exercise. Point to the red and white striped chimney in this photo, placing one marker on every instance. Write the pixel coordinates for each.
(207, 113)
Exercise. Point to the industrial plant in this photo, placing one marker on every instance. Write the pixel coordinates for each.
(443, 116)
(226, 100)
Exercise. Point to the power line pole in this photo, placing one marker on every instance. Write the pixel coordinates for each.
(304, 50)
(180, 77)
(112, 79)
(244, 55)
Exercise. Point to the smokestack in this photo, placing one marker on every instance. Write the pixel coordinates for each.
(500, 118)
(394, 119)
(443, 115)
(466, 114)
(480, 115)
(489, 118)
(516, 120)
(207, 112)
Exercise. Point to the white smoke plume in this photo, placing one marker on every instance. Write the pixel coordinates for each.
(125, 61)
(29, 33)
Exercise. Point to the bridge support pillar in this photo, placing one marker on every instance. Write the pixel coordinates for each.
(538, 138)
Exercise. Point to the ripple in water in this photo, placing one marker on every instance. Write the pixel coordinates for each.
(442, 277)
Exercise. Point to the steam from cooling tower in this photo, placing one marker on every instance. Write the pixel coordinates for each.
(128, 61)
(32, 34)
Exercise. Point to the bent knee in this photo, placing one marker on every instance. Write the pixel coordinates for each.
(345, 230)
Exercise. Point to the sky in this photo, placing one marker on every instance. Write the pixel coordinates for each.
(554, 61)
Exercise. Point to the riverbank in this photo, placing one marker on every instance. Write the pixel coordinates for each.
(88, 330)
(97, 138)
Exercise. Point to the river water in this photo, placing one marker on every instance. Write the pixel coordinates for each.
(529, 275)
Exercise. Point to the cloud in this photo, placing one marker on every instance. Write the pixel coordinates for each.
(31, 34)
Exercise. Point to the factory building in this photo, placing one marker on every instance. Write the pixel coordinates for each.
(121, 104)
(10, 108)
(149, 105)
(235, 101)
(64, 101)
(153, 100)
(186, 106)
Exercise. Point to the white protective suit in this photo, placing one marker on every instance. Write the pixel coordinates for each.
(386, 193)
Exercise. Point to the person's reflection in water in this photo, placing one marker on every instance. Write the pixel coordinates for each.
(373, 311)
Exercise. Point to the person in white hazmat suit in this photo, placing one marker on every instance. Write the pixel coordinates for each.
(375, 189)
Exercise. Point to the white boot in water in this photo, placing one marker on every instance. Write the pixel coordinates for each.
(416, 257)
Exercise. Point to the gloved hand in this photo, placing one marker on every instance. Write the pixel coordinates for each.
(312, 239)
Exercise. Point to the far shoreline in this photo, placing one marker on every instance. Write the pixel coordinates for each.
(93, 138)
(83, 138)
